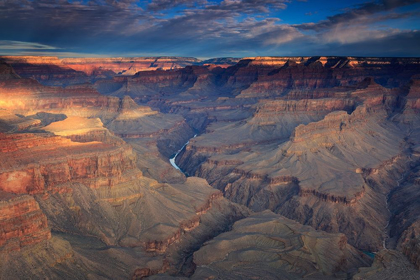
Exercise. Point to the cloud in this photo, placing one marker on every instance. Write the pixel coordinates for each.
(345, 34)
(234, 6)
(200, 28)
(362, 14)
(61, 18)
(359, 23)
(18, 45)
(251, 6)
(402, 43)
(160, 5)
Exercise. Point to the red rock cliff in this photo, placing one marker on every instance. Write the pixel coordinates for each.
(22, 222)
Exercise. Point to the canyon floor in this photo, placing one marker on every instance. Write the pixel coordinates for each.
(177, 168)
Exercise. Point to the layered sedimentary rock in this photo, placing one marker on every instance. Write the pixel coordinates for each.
(28, 97)
(388, 264)
(87, 183)
(160, 82)
(127, 65)
(47, 70)
(330, 142)
(271, 245)
(67, 71)
(57, 169)
(324, 159)
(94, 189)
(121, 115)
(33, 163)
(404, 225)
(22, 222)
(271, 121)
(316, 72)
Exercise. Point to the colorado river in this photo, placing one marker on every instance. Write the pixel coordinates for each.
(172, 160)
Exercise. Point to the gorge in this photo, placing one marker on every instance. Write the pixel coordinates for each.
(180, 168)
(172, 159)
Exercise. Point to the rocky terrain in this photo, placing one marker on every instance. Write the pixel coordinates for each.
(270, 245)
(303, 167)
(67, 71)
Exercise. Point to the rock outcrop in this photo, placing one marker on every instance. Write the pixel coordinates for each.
(388, 264)
(128, 65)
(22, 222)
(33, 163)
(271, 245)
(317, 166)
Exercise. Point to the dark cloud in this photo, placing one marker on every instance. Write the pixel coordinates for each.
(51, 21)
(18, 45)
(398, 44)
(200, 28)
(160, 5)
(359, 24)
(235, 6)
(250, 6)
(363, 13)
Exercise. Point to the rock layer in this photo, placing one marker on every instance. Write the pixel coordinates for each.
(270, 245)
(22, 222)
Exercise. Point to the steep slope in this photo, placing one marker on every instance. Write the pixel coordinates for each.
(22, 222)
(310, 161)
(321, 170)
(265, 245)
(388, 264)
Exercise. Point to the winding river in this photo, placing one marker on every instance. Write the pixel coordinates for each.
(172, 159)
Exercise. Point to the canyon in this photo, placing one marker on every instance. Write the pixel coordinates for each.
(180, 168)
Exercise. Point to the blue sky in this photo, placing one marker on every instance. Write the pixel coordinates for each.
(206, 28)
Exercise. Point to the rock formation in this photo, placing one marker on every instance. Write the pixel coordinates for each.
(270, 245)
(330, 145)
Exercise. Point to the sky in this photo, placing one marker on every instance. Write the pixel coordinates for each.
(206, 28)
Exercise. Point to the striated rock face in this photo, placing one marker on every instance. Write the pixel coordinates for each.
(388, 264)
(95, 189)
(404, 226)
(127, 65)
(271, 245)
(333, 123)
(68, 71)
(22, 222)
(319, 165)
(150, 84)
(28, 97)
(309, 73)
(47, 70)
(412, 251)
(33, 164)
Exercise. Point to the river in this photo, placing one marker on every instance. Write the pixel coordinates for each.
(172, 159)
